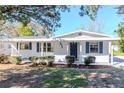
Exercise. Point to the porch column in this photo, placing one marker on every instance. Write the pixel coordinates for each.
(41, 48)
(80, 59)
(111, 54)
(68, 48)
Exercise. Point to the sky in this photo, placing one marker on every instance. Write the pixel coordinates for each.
(71, 21)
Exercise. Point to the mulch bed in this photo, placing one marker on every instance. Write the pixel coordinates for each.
(83, 66)
(74, 66)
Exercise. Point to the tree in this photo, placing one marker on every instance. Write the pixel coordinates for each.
(24, 30)
(95, 26)
(89, 10)
(7, 29)
(48, 16)
(120, 31)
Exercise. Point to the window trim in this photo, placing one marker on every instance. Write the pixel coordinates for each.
(24, 43)
(46, 48)
(90, 50)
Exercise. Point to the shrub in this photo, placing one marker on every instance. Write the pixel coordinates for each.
(88, 60)
(70, 60)
(15, 59)
(4, 59)
(50, 60)
(32, 59)
(43, 60)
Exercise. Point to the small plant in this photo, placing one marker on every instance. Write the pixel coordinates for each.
(70, 60)
(33, 60)
(15, 60)
(50, 60)
(88, 60)
(4, 59)
(43, 61)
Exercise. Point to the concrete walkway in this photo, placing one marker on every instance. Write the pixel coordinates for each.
(118, 61)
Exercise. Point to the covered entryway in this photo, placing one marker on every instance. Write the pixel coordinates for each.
(74, 49)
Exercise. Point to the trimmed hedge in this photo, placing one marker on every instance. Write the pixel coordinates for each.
(15, 60)
(88, 60)
(70, 60)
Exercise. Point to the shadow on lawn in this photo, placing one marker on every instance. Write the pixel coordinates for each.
(27, 79)
(54, 78)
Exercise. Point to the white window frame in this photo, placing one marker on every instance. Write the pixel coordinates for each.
(24, 43)
(90, 47)
(47, 47)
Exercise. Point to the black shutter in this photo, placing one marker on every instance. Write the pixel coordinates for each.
(30, 45)
(17, 45)
(87, 47)
(38, 47)
(100, 47)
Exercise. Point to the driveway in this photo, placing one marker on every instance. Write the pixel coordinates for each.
(118, 61)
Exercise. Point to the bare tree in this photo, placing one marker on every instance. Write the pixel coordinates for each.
(95, 26)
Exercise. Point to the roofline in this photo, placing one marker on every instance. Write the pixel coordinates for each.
(91, 39)
(81, 31)
(63, 39)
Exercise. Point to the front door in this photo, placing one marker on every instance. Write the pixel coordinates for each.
(73, 49)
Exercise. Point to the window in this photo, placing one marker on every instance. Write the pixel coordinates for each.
(47, 47)
(25, 46)
(93, 47)
(38, 47)
(44, 47)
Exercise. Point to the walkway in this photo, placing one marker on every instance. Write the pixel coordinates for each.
(118, 61)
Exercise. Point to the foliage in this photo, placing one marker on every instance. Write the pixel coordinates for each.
(89, 10)
(70, 60)
(118, 53)
(24, 30)
(48, 16)
(32, 59)
(120, 9)
(46, 60)
(88, 60)
(63, 77)
(4, 59)
(120, 32)
(50, 60)
(15, 59)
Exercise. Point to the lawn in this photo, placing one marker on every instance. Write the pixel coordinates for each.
(118, 53)
(38, 77)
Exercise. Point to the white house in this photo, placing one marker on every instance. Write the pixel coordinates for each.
(79, 44)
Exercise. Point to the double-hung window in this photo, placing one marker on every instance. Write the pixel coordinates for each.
(26, 46)
(47, 47)
(94, 47)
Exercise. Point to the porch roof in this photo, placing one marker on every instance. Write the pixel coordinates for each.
(26, 40)
(90, 39)
(58, 39)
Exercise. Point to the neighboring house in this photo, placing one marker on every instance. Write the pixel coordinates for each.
(79, 44)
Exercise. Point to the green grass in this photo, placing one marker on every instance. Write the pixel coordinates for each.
(68, 77)
(64, 78)
(118, 53)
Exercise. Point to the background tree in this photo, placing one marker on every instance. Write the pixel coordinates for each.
(95, 26)
(48, 16)
(120, 31)
(89, 10)
(24, 30)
